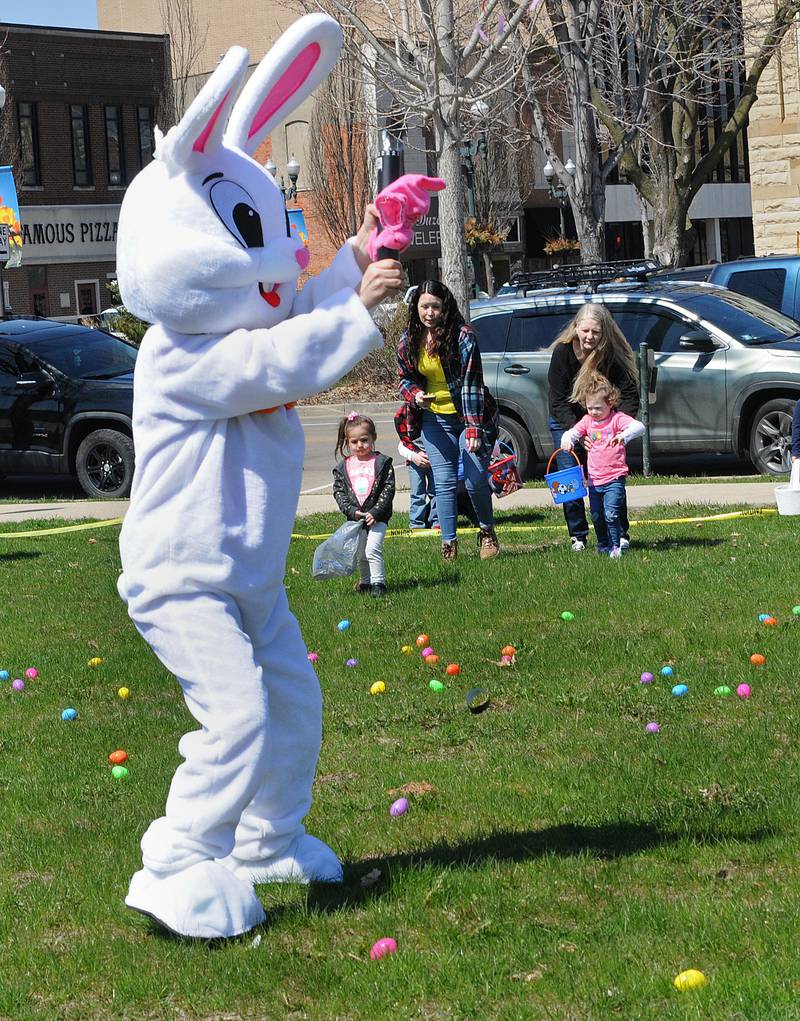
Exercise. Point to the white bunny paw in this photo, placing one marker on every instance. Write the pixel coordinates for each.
(205, 901)
(308, 860)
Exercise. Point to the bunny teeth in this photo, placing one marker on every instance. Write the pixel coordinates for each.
(271, 296)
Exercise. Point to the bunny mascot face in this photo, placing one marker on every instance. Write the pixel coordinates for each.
(204, 254)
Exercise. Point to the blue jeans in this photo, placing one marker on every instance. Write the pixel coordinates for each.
(574, 510)
(606, 504)
(445, 444)
(422, 501)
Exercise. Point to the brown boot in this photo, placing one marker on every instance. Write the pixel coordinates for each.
(450, 551)
(487, 544)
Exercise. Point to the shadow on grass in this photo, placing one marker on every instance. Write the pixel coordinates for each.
(520, 517)
(7, 558)
(661, 545)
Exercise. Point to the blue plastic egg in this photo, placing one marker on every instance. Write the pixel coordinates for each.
(4, 675)
(343, 625)
(679, 689)
(69, 714)
(667, 671)
(763, 616)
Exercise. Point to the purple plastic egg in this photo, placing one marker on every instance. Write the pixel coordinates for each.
(383, 947)
(399, 807)
(18, 684)
(352, 662)
(652, 728)
(646, 678)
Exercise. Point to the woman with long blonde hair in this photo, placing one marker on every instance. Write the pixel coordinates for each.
(591, 342)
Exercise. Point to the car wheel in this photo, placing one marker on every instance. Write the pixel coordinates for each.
(104, 463)
(771, 437)
(518, 438)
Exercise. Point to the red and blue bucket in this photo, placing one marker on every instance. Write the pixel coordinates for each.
(567, 483)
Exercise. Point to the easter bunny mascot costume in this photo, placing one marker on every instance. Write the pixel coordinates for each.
(205, 255)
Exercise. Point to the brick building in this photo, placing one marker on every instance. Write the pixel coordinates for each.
(80, 111)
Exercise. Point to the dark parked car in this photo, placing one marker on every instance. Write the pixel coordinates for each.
(66, 402)
(727, 367)
(771, 279)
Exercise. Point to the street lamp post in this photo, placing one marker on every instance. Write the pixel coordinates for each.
(292, 171)
(559, 191)
(468, 151)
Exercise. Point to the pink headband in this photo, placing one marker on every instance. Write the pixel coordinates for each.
(353, 416)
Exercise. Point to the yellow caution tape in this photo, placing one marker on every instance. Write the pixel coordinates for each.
(64, 528)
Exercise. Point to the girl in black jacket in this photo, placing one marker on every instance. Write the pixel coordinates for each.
(363, 487)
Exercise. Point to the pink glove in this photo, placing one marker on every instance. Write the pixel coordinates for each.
(400, 205)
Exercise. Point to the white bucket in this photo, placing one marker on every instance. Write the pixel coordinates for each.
(788, 500)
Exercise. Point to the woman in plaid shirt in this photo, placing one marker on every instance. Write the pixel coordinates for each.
(441, 375)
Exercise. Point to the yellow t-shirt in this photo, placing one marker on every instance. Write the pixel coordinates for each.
(436, 384)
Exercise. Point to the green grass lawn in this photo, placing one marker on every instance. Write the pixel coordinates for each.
(556, 863)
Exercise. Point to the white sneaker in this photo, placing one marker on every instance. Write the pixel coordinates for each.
(615, 553)
(578, 545)
(624, 543)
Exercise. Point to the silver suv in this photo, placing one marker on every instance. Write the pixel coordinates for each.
(726, 377)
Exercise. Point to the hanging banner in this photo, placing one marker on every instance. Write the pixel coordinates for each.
(10, 229)
(297, 225)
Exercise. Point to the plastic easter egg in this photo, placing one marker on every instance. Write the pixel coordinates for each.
(351, 662)
(399, 807)
(313, 657)
(762, 617)
(667, 671)
(383, 948)
(723, 691)
(407, 650)
(679, 690)
(568, 615)
(119, 772)
(508, 650)
(422, 641)
(453, 670)
(770, 622)
(436, 686)
(652, 728)
(95, 661)
(477, 699)
(757, 659)
(427, 651)
(32, 673)
(18, 684)
(69, 714)
(646, 677)
(691, 979)
(118, 757)
(506, 660)
(377, 688)
(432, 660)
(796, 611)
(343, 625)
(124, 692)
(4, 675)
(743, 691)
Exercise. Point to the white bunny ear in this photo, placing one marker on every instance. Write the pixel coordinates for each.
(200, 130)
(287, 75)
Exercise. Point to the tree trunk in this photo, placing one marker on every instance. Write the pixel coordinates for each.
(670, 237)
(591, 235)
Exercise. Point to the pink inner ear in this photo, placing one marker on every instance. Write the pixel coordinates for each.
(202, 138)
(291, 80)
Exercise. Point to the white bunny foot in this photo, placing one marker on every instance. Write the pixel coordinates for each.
(205, 901)
(307, 860)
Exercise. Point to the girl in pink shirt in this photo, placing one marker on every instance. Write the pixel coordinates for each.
(604, 432)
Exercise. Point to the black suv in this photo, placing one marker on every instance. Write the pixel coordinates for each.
(66, 403)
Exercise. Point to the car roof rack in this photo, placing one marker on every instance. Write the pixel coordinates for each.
(591, 274)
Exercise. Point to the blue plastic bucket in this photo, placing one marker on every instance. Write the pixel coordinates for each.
(566, 484)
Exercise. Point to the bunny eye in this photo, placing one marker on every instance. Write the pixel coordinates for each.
(237, 211)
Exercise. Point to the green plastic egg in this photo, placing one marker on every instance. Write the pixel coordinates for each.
(723, 691)
(436, 686)
(119, 772)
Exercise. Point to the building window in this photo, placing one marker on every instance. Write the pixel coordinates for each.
(81, 161)
(114, 145)
(144, 116)
(39, 299)
(29, 143)
(87, 297)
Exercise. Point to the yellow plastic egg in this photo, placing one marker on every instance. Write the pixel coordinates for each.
(407, 650)
(124, 693)
(378, 688)
(690, 979)
(95, 661)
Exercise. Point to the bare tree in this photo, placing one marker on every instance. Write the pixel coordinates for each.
(437, 58)
(339, 165)
(187, 42)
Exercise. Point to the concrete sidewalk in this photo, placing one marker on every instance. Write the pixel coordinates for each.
(751, 494)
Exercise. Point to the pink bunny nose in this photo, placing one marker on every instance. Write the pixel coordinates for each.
(302, 257)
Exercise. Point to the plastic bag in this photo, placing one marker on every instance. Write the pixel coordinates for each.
(794, 478)
(336, 556)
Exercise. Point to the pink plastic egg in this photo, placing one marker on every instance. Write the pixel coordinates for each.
(313, 657)
(427, 651)
(383, 947)
(743, 691)
(399, 807)
(32, 673)
(506, 660)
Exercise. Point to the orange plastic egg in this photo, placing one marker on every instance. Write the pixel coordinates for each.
(757, 659)
(422, 640)
(508, 650)
(770, 622)
(118, 757)
(432, 660)
(453, 669)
